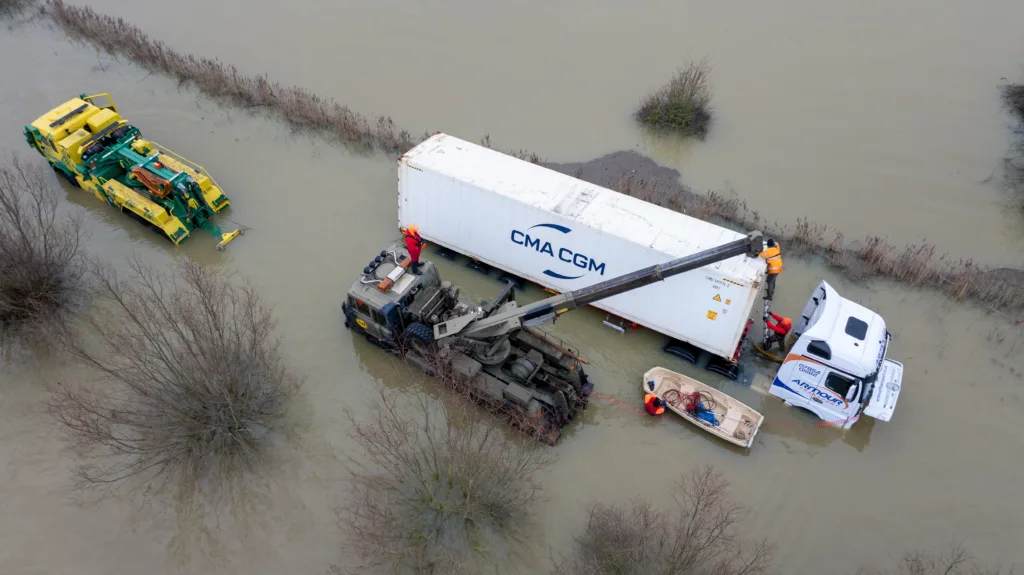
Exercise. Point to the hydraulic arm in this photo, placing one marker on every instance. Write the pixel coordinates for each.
(509, 317)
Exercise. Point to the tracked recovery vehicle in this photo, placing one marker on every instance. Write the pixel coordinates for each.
(492, 347)
(88, 142)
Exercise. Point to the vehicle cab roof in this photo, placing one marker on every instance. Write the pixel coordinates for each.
(855, 335)
(368, 291)
(42, 123)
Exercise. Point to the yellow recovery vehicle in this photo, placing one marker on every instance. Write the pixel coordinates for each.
(86, 141)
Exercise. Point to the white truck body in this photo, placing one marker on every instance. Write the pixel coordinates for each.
(563, 233)
(837, 369)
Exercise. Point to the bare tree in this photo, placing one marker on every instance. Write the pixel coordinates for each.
(41, 267)
(954, 561)
(192, 382)
(697, 534)
(433, 489)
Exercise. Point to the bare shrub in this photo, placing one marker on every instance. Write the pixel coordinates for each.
(1013, 95)
(954, 561)
(13, 7)
(41, 267)
(684, 104)
(432, 489)
(695, 533)
(193, 384)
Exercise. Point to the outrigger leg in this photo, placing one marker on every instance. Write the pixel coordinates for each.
(225, 238)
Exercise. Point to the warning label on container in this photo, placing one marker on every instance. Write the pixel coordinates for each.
(712, 315)
(718, 297)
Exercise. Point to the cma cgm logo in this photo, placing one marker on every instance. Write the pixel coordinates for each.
(583, 262)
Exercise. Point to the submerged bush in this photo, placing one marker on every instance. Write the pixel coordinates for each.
(693, 529)
(192, 382)
(1014, 97)
(433, 489)
(683, 105)
(40, 259)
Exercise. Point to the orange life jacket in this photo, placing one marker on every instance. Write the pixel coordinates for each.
(649, 404)
(773, 255)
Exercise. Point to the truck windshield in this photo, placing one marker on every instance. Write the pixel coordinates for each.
(838, 383)
(869, 381)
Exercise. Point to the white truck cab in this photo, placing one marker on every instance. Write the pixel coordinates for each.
(837, 367)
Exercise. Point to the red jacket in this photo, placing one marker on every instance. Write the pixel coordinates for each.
(778, 328)
(414, 243)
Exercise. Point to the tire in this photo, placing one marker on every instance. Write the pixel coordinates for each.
(419, 338)
(70, 179)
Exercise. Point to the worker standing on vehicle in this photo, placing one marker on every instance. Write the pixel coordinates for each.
(654, 404)
(414, 243)
(780, 330)
(773, 256)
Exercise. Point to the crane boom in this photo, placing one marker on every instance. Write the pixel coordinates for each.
(510, 316)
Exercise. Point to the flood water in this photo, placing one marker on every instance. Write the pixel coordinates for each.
(878, 119)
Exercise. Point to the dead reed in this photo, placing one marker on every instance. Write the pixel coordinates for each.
(918, 265)
(297, 106)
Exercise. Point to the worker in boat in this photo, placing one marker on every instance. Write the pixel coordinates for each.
(654, 404)
(773, 256)
(780, 329)
(414, 243)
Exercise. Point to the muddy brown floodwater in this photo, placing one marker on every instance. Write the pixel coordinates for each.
(947, 467)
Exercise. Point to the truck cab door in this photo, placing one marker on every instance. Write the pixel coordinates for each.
(837, 400)
(794, 380)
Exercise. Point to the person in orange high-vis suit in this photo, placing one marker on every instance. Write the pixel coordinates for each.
(654, 404)
(773, 256)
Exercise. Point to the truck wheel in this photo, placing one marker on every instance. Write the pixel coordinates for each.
(420, 339)
(71, 179)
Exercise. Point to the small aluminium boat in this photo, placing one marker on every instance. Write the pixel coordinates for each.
(704, 406)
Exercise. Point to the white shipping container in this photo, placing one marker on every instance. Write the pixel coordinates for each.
(565, 234)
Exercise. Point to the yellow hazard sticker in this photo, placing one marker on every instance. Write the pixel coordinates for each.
(728, 302)
(712, 315)
(360, 323)
(718, 297)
